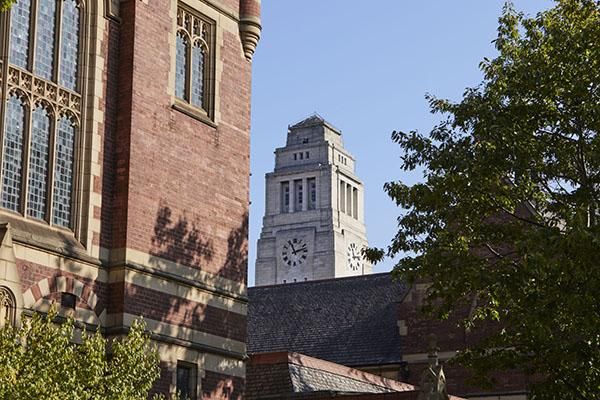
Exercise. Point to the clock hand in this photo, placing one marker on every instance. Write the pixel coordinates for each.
(292, 246)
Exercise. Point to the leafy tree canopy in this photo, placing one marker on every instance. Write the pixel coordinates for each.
(5, 4)
(40, 360)
(508, 209)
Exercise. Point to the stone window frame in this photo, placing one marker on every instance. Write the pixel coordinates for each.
(57, 100)
(207, 112)
(195, 378)
(8, 307)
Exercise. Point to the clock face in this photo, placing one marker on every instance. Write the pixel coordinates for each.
(294, 252)
(354, 257)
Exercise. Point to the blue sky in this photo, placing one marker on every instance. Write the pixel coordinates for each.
(365, 67)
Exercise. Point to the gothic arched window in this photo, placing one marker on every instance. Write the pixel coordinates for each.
(193, 60)
(7, 307)
(41, 108)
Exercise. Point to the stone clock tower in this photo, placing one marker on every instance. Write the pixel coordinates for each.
(313, 226)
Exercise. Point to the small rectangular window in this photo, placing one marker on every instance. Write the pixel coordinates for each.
(187, 380)
(307, 155)
(298, 195)
(285, 197)
(68, 300)
(295, 156)
(312, 193)
(301, 155)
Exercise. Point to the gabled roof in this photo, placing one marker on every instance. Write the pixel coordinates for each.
(281, 373)
(350, 321)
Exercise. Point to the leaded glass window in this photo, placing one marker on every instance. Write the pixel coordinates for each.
(19, 33)
(41, 108)
(69, 45)
(197, 74)
(181, 74)
(38, 163)
(63, 172)
(13, 153)
(44, 39)
(192, 59)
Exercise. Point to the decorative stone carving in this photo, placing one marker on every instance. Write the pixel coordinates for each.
(250, 29)
(433, 380)
(35, 88)
(250, 26)
(7, 307)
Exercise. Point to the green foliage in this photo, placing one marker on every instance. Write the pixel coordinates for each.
(6, 4)
(508, 210)
(41, 360)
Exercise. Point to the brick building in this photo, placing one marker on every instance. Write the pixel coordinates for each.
(370, 323)
(124, 173)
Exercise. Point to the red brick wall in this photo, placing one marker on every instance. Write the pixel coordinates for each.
(168, 162)
(222, 387)
(450, 337)
(215, 386)
(138, 300)
(459, 381)
(109, 104)
(163, 384)
(250, 8)
(31, 274)
(120, 181)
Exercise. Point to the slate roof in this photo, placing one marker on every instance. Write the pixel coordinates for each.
(350, 321)
(271, 375)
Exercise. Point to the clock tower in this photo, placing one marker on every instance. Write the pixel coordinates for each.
(313, 226)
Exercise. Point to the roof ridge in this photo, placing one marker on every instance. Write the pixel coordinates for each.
(342, 278)
(314, 119)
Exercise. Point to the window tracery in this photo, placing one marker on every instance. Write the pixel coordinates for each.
(7, 307)
(193, 59)
(41, 108)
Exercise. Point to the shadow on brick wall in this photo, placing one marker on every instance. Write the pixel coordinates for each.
(180, 241)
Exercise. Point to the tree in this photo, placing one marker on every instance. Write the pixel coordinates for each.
(6, 4)
(508, 207)
(40, 360)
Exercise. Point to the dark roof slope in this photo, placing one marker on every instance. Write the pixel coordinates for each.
(350, 321)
